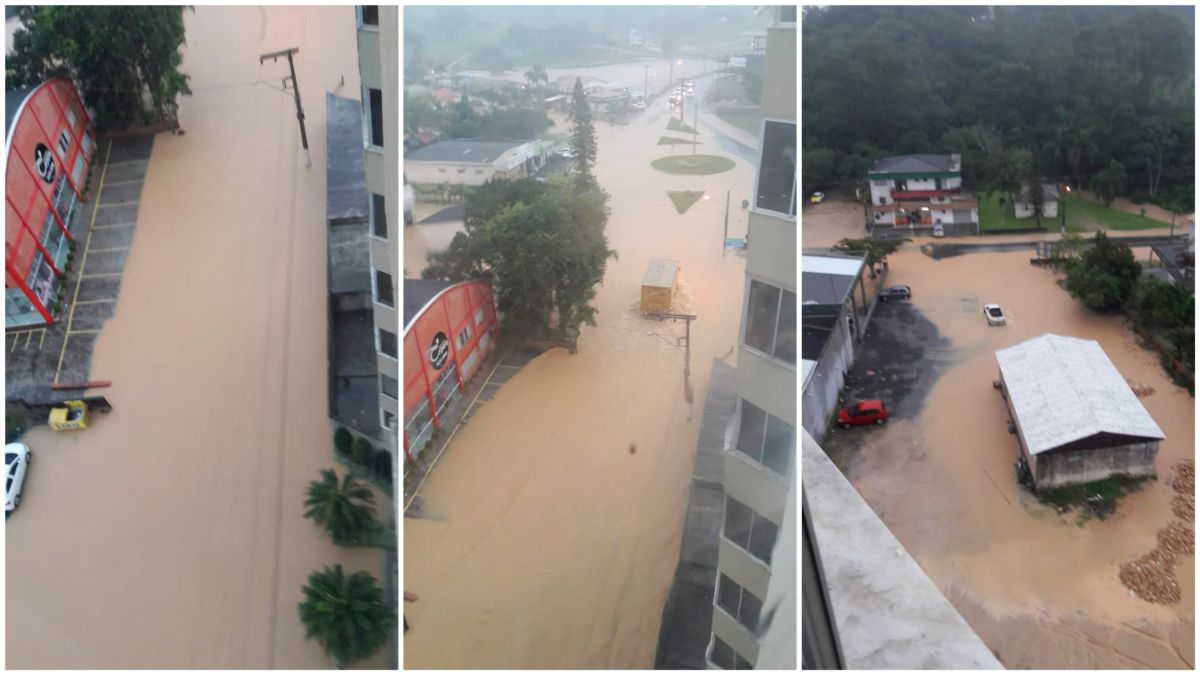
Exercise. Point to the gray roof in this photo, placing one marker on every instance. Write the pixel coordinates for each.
(12, 102)
(1049, 192)
(1064, 389)
(470, 152)
(916, 164)
(417, 293)
(661, 273)
(345, 172)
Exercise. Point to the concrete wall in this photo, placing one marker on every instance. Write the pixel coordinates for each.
(779, 70)
(778, 639)
(454, 173)
(1056, 469)
(826, 380)
(771, 253)
(767, 383)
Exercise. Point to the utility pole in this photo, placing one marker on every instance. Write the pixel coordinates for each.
(681, 97)
(646, 84)
(295, 93)
(695, 124)
(671, 72)
(726, 237)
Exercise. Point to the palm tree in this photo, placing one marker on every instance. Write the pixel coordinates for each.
(347, 615)
(345, 512)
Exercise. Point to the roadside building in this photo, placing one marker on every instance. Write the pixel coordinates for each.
(756, 566)
(609, 101)
(448, 330)
(916, 192)
(834, 309)
(1023, 208)
(558, 103)
(379, 71)
(1076, 417)
(49, 145)
(1176, 258)
(472, 162)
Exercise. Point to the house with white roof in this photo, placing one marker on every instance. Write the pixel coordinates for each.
(1076, 417)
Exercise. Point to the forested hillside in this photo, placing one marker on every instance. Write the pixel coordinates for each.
(1078, 93)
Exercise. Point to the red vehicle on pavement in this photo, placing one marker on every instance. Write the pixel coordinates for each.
(864, 412)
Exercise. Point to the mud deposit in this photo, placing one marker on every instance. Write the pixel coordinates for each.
(1041, 589)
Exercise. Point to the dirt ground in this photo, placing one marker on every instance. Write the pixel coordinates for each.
(547, 543)
(171, 534)
(1039, 588)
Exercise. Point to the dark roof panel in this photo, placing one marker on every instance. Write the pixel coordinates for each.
(12, 102)
(345, 169)
(915, 164)
(418, 292)
(472, 152)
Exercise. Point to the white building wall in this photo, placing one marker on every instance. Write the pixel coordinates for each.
(951, 183)
(922, 184)
(1025, 209)
(448, 172)
(881, 190)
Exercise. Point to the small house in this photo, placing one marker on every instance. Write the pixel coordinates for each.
(658, 286)
(1075, 416)
(1024, 206)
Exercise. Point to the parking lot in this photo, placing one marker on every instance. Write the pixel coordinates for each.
(1040, 588)
(62, 352)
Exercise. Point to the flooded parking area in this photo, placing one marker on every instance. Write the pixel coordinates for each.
(1040, 588)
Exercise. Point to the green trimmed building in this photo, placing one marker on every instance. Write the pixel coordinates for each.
(916, 193)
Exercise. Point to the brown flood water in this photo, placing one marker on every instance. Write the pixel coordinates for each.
(171, 535)
(1041, 590)
(547, 543)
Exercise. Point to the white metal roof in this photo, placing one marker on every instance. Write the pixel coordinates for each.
(1064, 389)
(820, 264)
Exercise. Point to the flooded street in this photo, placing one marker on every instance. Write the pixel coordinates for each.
(170, 535)
(1040, 588)
(546, 543)
(653, 74)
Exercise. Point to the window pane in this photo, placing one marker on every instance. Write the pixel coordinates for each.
(383, 288)
(389, 386)
(777, 453)
(387, 342)
(777, 172)
(727, 595)
(741, 663)
(737, 522)
(760, 316)
(785, 334)
(370, 15)
(722, 654)
(751, 608)
(379, 214)
(750, 432)
(762, 538)
(376, 116)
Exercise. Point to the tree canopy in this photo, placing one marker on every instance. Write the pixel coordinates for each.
(125, 58)
(346, 614)
(1104, 275)
(1078, 87)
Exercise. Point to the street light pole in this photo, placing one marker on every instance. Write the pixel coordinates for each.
(646, 84)
(295, 94)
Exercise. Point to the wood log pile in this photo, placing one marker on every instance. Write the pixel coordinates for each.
(1152, 576)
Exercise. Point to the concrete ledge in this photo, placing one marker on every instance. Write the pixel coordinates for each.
(889, 614)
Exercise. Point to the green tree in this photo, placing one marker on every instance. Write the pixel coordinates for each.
(1104, 275)
(125, 59)
(414, 57)
(583, 136)
(347, 615)
(1109, 182)
(875, 251)
(420, 112)
(465, 122)
(1035, 192)
(345, 511)
(537, 75)
(1069, 246)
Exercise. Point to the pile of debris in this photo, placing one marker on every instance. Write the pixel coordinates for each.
(1141, 390)
(1152, 576)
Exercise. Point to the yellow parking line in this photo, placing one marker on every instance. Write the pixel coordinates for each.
(16, 339)
(89, 331)
(98, 275)
(115, 204)
(110, 250)
(125, 182)
(113, 226)
(42, 340)
(82, 264)
(94, 302)
(28, 337)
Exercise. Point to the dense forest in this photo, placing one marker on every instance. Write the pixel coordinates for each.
(1092, 95)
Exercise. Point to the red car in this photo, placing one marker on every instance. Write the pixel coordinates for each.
(864, 412)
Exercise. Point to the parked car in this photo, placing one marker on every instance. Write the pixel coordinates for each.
(16, 464)
(638, 104)
(939, 231)
(817, 197)
(567, 153)
(995, 317)
(895, 293)
(864, 412)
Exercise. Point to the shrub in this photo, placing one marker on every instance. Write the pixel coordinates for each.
(362, 450)
(342, 441)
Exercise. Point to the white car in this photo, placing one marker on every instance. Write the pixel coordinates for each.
(638, 104)
(16, 462)
(995, 317)
(567, 153)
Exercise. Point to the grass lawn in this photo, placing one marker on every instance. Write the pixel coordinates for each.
(993, 217)
(671, 140)
(676, 125)
(1082, 216)
(684, 200)
(693, 165)
(746, 120)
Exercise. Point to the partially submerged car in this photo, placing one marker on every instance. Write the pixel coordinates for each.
(871, 411)
(895, 293)
(817, 197)
(995, 317)
(16, 464)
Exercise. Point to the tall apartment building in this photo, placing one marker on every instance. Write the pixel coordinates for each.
(914, 191)
(379, 71)
(752, 624)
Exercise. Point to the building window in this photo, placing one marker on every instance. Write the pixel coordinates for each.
(765, 438)
(379, 216)
(479, 317)
(441, 171)
(64, 142)
(389, 386)
(387, 342)
(777, 168)
(383, 289)
(375, 116)
(71, 119)
(724, 656)
(368, 15)
(740, 603)
(749, 529)
(771, 321)
(464, 337)
(462, 170)
(478, 172)
(387, 418)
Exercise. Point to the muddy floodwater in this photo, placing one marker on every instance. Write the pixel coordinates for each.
(544, 542)
(171, 535)
(651, 74)
(1040, 588)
